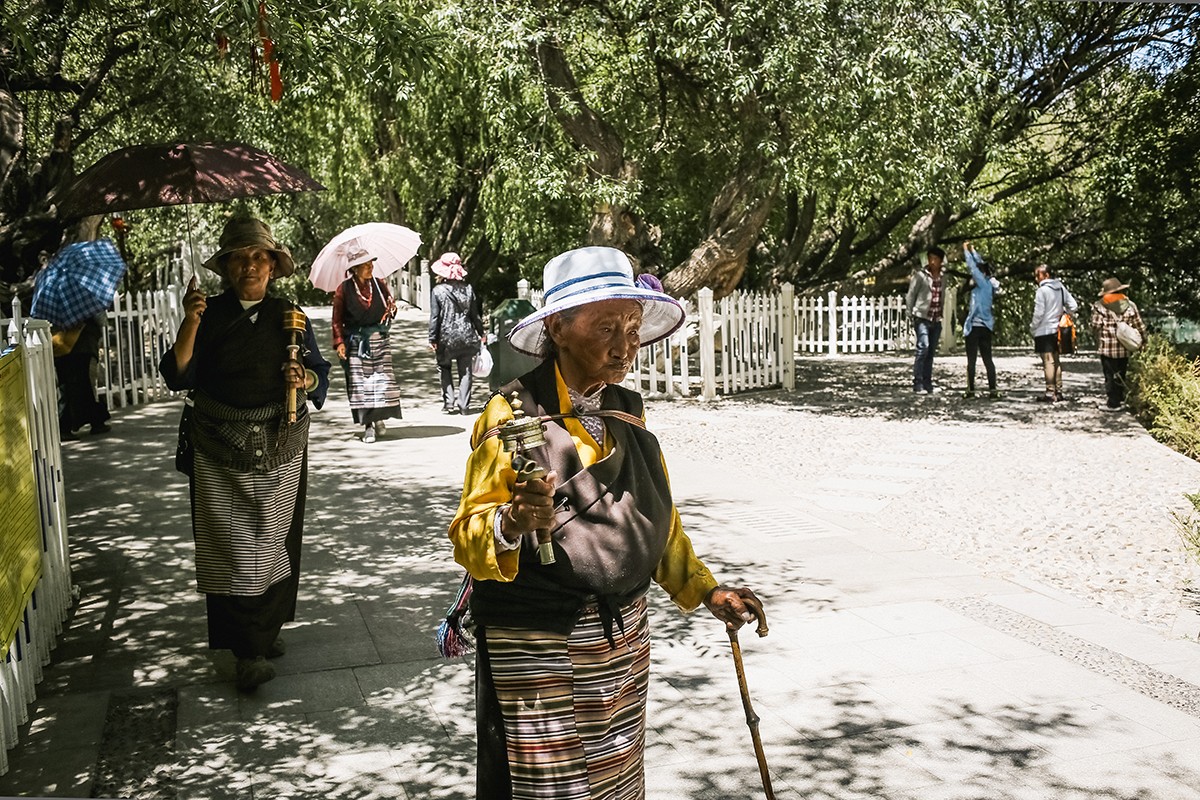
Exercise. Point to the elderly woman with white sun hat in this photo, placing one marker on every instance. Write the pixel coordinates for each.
(606, 501)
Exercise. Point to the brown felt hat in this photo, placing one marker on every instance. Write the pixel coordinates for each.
(243, 232)
(1111, 285)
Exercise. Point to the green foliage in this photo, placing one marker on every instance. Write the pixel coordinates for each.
(1165, 395)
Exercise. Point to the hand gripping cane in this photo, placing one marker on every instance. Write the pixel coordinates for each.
(751, 718)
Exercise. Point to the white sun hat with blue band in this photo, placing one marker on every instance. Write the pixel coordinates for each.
(589, 275)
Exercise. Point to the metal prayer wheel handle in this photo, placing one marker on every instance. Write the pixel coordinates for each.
(751, 717)
(519, 434)
(294, 325)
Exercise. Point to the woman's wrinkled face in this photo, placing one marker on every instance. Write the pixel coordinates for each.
(249, 271)
(362, 272)
(597, 343)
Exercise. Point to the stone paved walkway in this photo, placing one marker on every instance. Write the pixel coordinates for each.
(967, 600)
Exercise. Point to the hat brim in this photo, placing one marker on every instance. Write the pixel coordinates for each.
(662, 315)
(283, 258)
(1120, 288)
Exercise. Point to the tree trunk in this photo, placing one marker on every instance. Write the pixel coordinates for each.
(735, 221)
(613, 224)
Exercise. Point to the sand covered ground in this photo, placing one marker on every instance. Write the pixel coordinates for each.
(1066, 494)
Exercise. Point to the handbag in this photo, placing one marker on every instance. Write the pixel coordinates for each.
(1066, 335)
(63, 342)
(1127, 335)
(185, 450)
(1066, 330)
(481, 365)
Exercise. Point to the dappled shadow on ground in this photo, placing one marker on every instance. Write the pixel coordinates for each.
(880, 385)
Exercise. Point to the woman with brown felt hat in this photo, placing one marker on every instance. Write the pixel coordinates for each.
(249, 467)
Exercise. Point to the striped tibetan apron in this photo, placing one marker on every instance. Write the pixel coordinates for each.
(573, 707)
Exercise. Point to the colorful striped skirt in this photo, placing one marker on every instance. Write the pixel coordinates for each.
(370, 383)
(572, 710)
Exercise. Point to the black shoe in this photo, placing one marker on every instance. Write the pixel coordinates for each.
(1048, 397)
(994, 395)
(969, 394)
(253, 672)
(68, 436)
(277, 648)
(1059, 397)
(100, 427)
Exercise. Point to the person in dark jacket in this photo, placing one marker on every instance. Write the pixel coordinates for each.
(79, 406)
(455, 331)
(612, 527)
(250, 469)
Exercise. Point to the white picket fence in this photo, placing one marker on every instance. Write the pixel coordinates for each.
(748, 341)
(53, 595)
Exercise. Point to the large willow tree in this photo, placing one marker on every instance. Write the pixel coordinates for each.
(724, 144)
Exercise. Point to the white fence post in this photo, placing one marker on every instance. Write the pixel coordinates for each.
(522, 289)
(707, 345)
(833, 324)
(787, 302)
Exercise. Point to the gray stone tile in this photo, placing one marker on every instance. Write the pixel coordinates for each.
(303, 693)
(375, 727)
(836, 627)
(61, 772)
(1001, 645)
(914, 617)
(1114, 775)
(1045, 679)
(1158, 716)
(941, 695)
(1076, 729)
(1178, 759)
(963, 749)
(206, 702)
(401, 682)
(812, 667)
(928, 652)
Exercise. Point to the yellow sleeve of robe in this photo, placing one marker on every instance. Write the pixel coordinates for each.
(488, 485)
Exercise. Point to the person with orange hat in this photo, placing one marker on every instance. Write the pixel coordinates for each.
(1113, 316)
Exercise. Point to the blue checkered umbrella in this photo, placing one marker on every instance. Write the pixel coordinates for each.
(78, 283)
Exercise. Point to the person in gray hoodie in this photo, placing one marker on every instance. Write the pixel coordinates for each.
(1050, 303)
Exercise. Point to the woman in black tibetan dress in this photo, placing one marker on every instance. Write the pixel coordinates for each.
(250, 466)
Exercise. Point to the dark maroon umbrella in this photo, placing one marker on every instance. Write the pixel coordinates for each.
(151, 175)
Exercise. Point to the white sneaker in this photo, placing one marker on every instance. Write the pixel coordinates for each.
(369, 435)
(380, 428)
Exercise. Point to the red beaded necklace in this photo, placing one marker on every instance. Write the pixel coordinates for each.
(370, 295)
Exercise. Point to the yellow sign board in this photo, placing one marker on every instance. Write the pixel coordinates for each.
(20, 525)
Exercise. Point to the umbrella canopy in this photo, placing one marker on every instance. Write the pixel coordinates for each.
(78, 283)
(392, 246)
(151, 175)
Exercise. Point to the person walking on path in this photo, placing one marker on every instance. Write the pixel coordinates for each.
(924, 302)
(980, 321)
(1050, 303)
(563, 648)
(1108, 312)
(362, 310)
(250, 464)
(74, 370)
(455, 331)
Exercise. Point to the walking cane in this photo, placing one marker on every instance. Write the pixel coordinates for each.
(751, 718)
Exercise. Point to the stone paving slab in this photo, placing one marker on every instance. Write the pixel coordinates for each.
(893, 669)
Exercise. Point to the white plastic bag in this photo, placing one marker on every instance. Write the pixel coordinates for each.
(481, 365)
